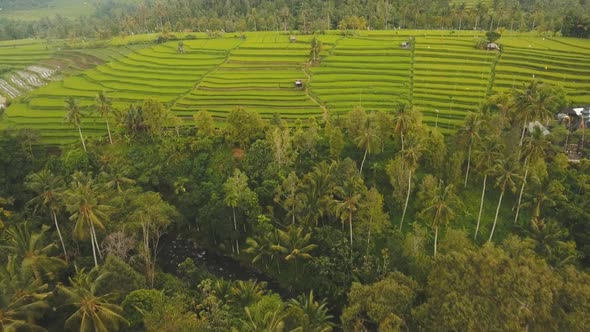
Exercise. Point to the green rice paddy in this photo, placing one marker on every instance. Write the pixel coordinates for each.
(444, 75)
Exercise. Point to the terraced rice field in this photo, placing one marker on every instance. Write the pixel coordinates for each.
(370, 72)
(563, 61)
(444, 76)
(159, 72)
(258, 75)
(450, 78)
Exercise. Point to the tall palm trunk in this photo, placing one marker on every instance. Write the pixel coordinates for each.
(109, 130)
(483, 192)
(61, 239)
(364, 158)
(82, 138)
(95, 240)
(401, 224)
(350, 226)
(233, 209)
(522, 133)
(435, 239)
(468, 163)
(93, 249)
(526, 173)
(369, 234)
(496, 217)
(402, 138)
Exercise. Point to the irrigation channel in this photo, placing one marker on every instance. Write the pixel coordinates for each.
(176, 249)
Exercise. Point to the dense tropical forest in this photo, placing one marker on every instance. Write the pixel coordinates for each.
(165, 215)
(369, 221)
(107, 18)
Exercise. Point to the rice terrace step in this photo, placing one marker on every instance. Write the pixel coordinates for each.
(444, 75)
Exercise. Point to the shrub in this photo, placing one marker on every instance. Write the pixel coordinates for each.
(120, 280)
(138, 302)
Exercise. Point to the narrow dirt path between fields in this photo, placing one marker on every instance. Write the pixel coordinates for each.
(312, 96)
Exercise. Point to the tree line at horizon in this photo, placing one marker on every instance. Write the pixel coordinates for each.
(403, 227)
(112, 18)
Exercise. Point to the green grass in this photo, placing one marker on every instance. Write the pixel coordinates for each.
(368, 69)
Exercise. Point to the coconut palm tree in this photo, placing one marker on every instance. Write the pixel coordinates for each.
(351, 193)
(367, 140)
(410, 157)
(294, 245)
(534, 148)
(74, 117)
(316, 49)
(550, 241)
(32, 250)
(486, 154)
(317, 318)
(83, 202)
(261, 248)
(22, 297)
(469, 134)
(49, 189)
(404, 119)
(315, 198)
(506, 171)
(247, 292)
(116, 179)
(547, 193)
(268, 321)
(104, 105)
(441, 209)
(536, 102)
(93, 312)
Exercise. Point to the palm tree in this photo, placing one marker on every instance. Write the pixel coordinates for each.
(261, 249)
(317, 318)
(83, 202)
(49, 189)
(267, 321)
(536, 102)
(22, 297)
(316, 195)
(550, 238)
(316, 49)
(367, 141)
(93, 312)
(351, 193)
(410, 156)
(404, 119)
(534, 148)
(104, 107)
(116, 179)
(441, 208)
(32, 251)
(294, 245)
(548, 193)
(245, 293)
(486, 155)
(470, 134)
(506, 170)
(74, 117)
